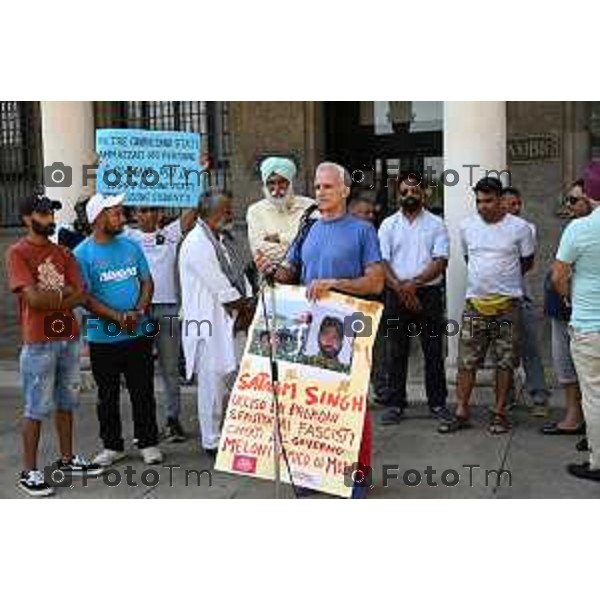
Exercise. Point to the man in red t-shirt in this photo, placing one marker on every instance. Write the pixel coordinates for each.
(48, 284)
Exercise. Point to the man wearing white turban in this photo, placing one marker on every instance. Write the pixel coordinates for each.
(273, 221)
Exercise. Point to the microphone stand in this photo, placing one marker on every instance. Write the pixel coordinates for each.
(269, 281)
(272, 332)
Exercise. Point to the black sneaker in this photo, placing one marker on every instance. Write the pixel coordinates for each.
(583, 471)
(582, 445)
(79, 466)
(392, 416)
(212, 452)
(32, 483)
(174, 432)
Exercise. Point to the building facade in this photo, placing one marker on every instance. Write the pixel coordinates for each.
(539, 146)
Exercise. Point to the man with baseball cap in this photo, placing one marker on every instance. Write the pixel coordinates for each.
(576, 274)
(48, 285)
(119, 332)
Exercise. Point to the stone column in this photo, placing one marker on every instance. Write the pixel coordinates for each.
(67, 137)
(474, 134)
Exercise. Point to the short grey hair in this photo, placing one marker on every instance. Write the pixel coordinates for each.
(342, 172)
(209, 203)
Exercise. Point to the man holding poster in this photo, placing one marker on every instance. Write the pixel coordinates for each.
(339, 253)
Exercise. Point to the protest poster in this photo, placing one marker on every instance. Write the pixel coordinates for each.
(152, 168)
(323, 351)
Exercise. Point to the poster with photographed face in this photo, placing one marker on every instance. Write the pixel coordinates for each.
(323, 352)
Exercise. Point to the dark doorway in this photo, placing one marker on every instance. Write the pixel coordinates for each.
(377, 140)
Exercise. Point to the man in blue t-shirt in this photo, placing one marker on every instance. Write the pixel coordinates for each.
(338, 253)
(119, 287)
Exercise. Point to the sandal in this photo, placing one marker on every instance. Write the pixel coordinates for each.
(499, 424)
(554, 429)
(456, 424)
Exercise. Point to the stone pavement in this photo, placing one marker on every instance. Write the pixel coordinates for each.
(536, 462)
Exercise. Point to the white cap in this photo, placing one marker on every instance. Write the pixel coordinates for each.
(96, 204)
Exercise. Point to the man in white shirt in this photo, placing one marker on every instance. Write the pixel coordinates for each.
(159, 245)
(273, 221)
(214, 308)
(533, 366)
(499, 249)
(414, 245)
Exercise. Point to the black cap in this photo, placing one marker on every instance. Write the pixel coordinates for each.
(38, 203)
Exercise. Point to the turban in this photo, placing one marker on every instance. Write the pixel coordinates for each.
(278, 165)
(591, 182)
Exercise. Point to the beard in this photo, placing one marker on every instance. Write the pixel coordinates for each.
(282, 203)
(45, 230)
(329, 351)
(226, 228)
(410, 203)
(113, 230)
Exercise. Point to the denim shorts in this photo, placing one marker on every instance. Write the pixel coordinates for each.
(50, 377)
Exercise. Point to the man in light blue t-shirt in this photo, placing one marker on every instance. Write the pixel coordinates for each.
(577, 267)
(119, 288)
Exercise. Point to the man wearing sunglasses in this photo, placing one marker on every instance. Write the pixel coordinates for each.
(577, 203)
(415, 246)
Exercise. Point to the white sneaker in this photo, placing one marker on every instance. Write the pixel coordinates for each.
(152, 455)
(107, 457)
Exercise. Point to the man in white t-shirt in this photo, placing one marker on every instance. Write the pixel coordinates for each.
(159, 245)
(499, 250)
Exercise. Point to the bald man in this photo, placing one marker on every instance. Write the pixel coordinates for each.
(273, 221)
(339, 253)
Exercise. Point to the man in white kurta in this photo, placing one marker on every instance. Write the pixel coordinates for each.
(209, 300)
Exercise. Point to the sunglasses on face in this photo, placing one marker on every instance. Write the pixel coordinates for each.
(571, 200)
(410, 192)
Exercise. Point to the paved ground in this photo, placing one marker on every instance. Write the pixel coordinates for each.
(536, 462)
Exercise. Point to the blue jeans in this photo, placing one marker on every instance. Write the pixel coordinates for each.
(167, 342)
(50, 377)
(535, 379)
